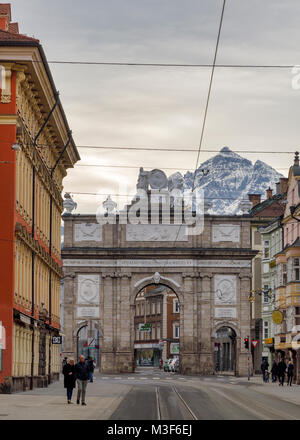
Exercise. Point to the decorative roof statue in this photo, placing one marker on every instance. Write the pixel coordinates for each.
(109, 205)
(157, 179)
(175, 181)
(69, 204)
(143, 182)
(245, 206)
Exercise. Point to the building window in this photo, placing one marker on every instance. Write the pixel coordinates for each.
(266, 294)
(158, 307)
(175, 306)
(153, 308)
(266, 249)
(176, 331)
(296, 271)
(148, 308)
(153, 331)
(266, 329)
(284, 274)
(158, 331)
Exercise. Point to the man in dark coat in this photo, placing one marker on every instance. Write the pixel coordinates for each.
(91, 367)
(290, 373)
(281, 371)
(274, 371)
(264, 368)
(82, 375)
(69, 378)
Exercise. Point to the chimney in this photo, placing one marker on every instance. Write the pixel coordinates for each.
(269, 193)
(296, 160)
(283, 185)
(254, 199)
(5, 16)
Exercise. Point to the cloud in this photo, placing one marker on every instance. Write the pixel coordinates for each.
(164, 107)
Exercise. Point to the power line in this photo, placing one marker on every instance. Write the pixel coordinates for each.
(179, 150)
(153, 167)
(193, 65)
(183, 150)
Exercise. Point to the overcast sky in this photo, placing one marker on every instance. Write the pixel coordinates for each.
(163, 107)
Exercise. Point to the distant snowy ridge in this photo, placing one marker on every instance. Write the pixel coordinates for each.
(230, 179)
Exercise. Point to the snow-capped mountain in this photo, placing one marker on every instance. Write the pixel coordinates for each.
(230, 179)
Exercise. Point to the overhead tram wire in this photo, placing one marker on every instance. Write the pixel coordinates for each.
(168, 149)
(190, 65)
(153, 167)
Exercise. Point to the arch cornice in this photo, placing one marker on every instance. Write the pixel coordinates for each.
(157, 279)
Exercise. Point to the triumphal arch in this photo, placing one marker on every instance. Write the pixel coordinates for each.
(108, 260)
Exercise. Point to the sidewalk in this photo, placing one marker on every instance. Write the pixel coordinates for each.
(51, 403)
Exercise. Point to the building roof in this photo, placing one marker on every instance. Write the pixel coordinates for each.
(6, 36)
(257, 209)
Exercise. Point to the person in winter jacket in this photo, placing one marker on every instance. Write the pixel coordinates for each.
(91, 367)
(274, 371)
(281, 371)
(290, 373)
(82, 376)
(264, 368)
(69, 378)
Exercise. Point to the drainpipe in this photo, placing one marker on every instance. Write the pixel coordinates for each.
(33, 231)
(50, 247)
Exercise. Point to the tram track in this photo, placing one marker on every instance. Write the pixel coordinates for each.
(179, 404)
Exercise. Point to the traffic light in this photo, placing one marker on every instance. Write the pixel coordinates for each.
(246, 342)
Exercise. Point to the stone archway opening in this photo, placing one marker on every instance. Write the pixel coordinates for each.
(156, 327)
(87, 338)
(225, 350)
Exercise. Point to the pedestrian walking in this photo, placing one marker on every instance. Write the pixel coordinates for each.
(161, 363)
(91, 365)
(274, 371)
(290, 373)
(64, 362)
(69, 378)
(82, 372)
(281, 371)
(264, 368)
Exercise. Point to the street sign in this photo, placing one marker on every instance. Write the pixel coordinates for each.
(277, 317)
(269, 341)
(56, 339)
(254, 342)
(146, 328)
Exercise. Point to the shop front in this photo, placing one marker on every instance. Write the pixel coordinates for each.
(147, 355)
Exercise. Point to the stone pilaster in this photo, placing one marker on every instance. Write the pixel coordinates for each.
(244, 311)
(107, 348)
(69, 349)
(206, 306)
(124, 353)
(188, 337)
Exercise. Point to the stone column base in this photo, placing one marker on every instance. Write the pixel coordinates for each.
(117, 362)
(206, 364)
(242, 367)
(189, 363)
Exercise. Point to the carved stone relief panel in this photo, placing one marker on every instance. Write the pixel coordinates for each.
(156, 233)
(87, 232)
(226, 232)
(225, 289)
(88, 289)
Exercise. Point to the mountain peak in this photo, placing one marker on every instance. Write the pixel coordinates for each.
(226, 150)
(230, 179)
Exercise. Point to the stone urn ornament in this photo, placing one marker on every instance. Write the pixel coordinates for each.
(69, 204)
